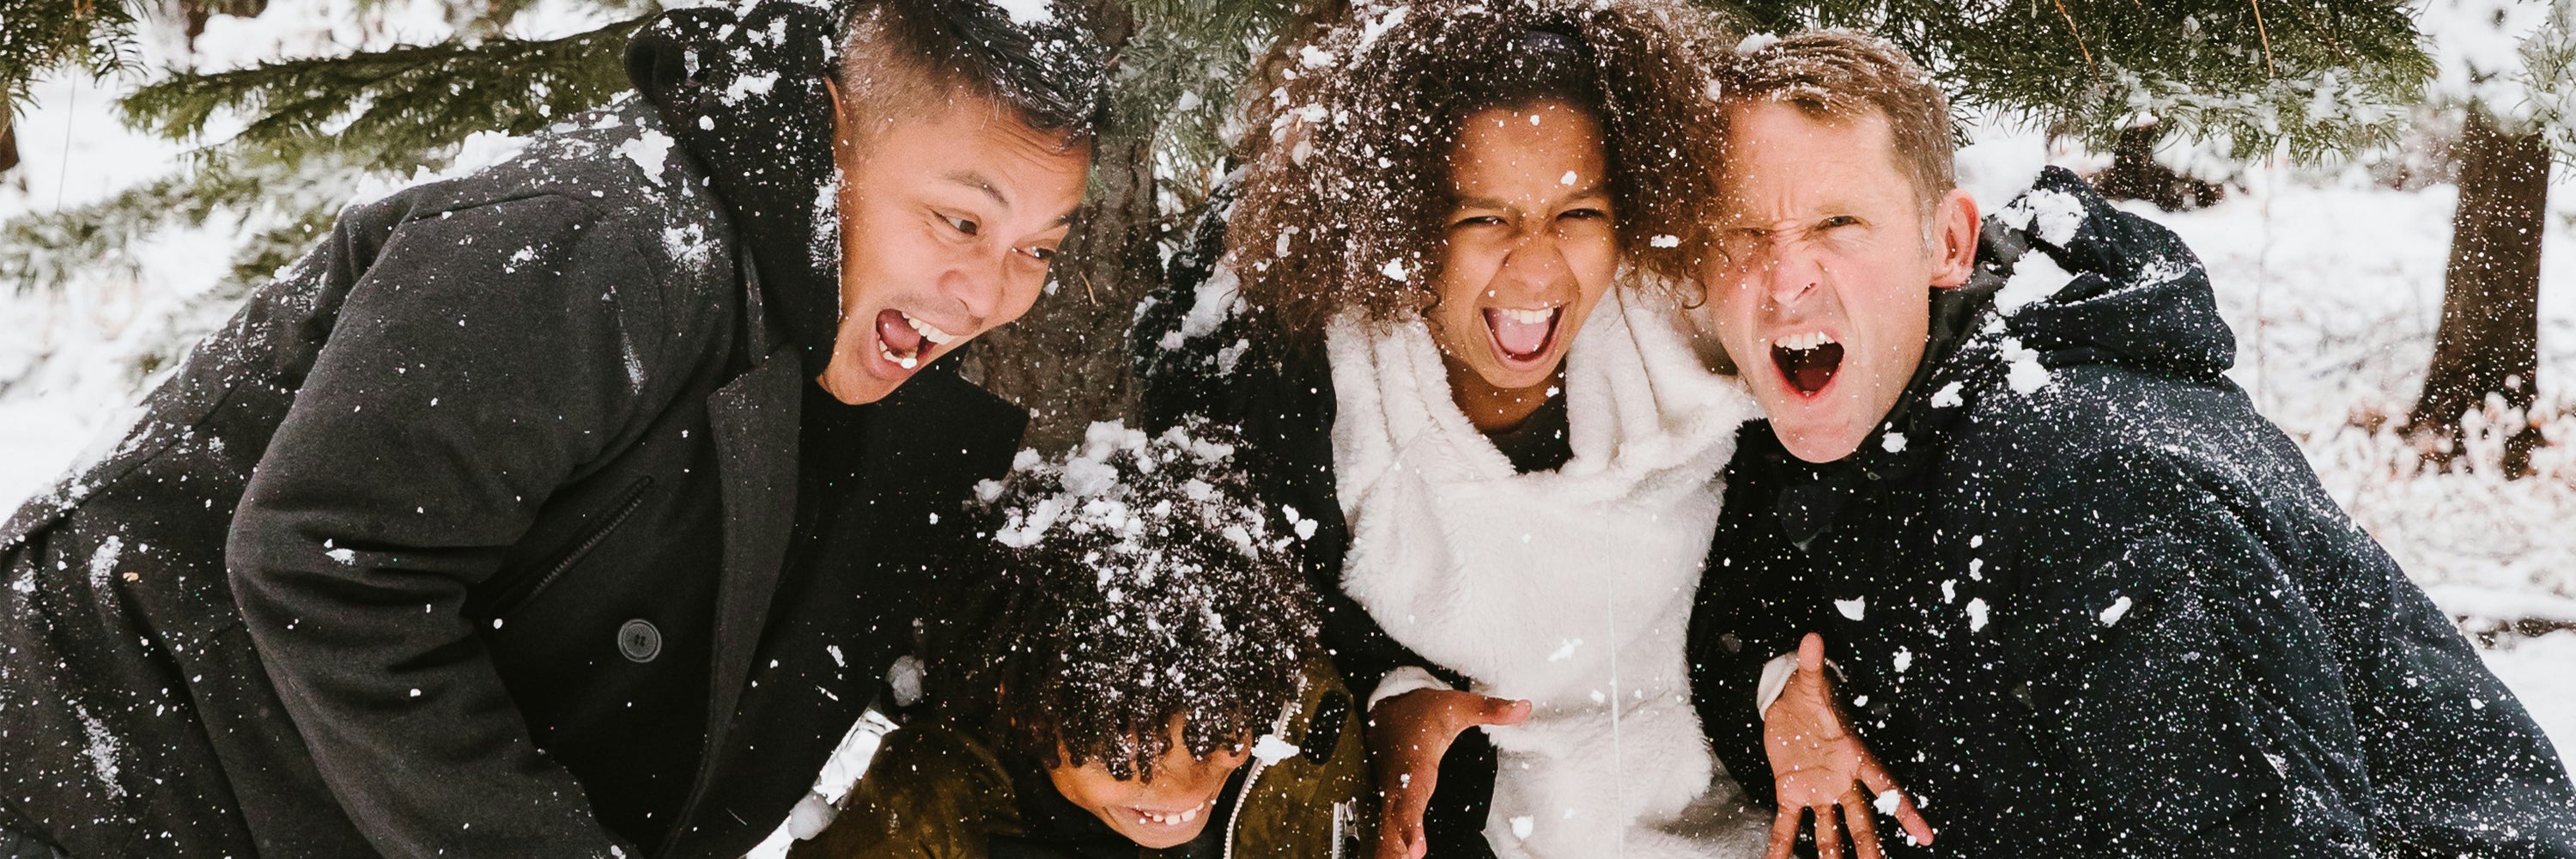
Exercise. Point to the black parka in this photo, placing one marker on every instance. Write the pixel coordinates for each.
(2087, 602)
(502, 480)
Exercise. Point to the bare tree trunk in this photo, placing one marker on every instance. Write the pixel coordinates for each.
(2489, 342)
(1066, 361)
(8, 141)
(2135, 175)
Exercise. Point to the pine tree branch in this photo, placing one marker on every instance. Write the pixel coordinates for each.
(389, 109)
(95, 36)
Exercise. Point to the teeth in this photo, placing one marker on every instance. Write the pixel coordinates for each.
(1528, 317)
(928, 332)
(907, 361)
(1803, 342)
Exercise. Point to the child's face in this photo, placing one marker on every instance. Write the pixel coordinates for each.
(1166, 812)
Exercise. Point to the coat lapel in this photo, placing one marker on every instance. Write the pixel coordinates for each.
(755, 419)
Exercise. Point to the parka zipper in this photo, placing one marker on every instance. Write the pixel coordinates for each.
(1242, 797)
(626, 507)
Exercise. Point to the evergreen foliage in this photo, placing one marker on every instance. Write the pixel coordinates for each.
(393, 109)
(2324, 77)
(95, 36)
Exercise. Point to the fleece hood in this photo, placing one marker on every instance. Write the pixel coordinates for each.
(742, 89)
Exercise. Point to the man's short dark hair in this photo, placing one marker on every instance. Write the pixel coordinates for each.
(900, 58)
(1136, 581)
(1838, 76)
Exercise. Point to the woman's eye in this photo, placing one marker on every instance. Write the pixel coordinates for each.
(1039, 254)
(962, 225)
(1586, 214)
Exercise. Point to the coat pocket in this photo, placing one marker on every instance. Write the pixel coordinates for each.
(534, 583)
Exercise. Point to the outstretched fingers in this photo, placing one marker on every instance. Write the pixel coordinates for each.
(1784, 832)
(1875, 777)
(1863, 826)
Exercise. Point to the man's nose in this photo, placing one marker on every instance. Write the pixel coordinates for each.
(1789, 271)
(978, 283)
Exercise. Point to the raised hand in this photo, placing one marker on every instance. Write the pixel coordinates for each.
(1820, 767)
(1408, 734)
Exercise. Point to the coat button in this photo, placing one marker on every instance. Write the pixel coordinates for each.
(639, 641)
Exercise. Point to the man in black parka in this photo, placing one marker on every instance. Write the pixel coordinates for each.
(2084, 600)
(508, 523)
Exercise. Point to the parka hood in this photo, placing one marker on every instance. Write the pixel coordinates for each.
(2136, 296)
(742, 89)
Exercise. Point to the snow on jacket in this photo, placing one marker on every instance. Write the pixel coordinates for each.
(2087, 602)
(503, 476)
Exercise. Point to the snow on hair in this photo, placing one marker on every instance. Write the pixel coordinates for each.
(1342, 209)
(1135, 581)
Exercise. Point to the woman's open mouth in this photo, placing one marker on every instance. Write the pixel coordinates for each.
(1522, 337)
(1807, 361)
(906, 342)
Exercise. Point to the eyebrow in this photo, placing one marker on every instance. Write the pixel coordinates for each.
(972, 179)
(1492, 203)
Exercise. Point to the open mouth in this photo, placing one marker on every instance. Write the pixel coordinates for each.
(1807, 361)
(1522, 336)
(904, 341)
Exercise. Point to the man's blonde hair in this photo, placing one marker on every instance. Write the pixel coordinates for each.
(1838, 76)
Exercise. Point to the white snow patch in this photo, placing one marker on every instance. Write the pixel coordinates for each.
(2026, 375)
(651, 151)
(1976, 614)
(1027, 12)
(1522, 825)
(1565, 650)
(1947, 397)
(1852, 608)
(2035, 277)
(1665, 240)
(1894, 442)
(103, 750)
(1756, 41)
(1394, 268)
(102, 563)
(344, 556)
(2054, 215)
(2119, 608)
(1270, 749)
(747, 85)
(903, 678)
(1904, 659)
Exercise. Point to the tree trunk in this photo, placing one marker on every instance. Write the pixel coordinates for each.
(8, 142)
(2135, 175)
(2489, 342)
(1066, 361)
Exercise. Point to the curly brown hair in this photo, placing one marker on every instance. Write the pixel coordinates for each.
(1343, 210)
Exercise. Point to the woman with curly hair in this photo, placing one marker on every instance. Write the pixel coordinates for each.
(1444, 310)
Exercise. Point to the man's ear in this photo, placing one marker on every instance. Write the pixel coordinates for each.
(1954, 239)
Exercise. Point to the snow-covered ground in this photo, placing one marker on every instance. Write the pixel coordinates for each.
(2332, 282)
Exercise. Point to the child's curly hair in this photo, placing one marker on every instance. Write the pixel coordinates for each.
(1342, 210)
(1136, 581)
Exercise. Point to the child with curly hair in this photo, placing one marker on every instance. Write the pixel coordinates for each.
(1137, 673)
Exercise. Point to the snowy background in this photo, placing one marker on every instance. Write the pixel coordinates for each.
(2331, 278)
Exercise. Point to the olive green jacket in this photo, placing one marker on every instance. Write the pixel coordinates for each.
(933, 792)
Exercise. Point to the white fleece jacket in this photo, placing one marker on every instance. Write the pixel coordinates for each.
(1570, 588)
